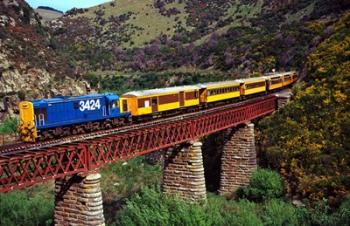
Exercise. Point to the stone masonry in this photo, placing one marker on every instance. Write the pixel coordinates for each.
(184, 172)
(238, 159)
(283, 98)
(78, 201)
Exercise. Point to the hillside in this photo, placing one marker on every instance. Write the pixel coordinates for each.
(48, 14)
(308, 141)
(232, 36)
(29, 66)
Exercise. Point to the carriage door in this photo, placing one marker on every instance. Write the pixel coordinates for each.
(181, 99)
(154, 104)
(203, 95)
(125, 106)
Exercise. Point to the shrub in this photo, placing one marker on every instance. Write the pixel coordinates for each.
(264, 185)
(310, 136)
(245, 215)
(9, 126)
(18, 209)
(122, 180)
(321, 214)
(151, 207)
(343, 213)
(277, 212)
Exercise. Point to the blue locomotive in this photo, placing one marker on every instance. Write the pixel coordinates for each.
(61, 116)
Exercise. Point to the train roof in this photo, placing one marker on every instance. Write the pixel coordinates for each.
(74, 98)
(279, 74)
(219, 84)
(251, 80)
(151, 92)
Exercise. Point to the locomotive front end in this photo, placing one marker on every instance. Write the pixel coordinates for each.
(27, 129)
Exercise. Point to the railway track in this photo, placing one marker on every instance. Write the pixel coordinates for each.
(17, 148)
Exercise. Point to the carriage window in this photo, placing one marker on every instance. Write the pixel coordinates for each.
(196, 94)
(146, 103)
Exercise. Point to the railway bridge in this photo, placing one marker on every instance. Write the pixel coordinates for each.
(73, 162)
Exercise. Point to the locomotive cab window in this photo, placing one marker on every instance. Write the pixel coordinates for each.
(115, 104)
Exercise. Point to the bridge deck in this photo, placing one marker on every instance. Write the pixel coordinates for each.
(29, 165)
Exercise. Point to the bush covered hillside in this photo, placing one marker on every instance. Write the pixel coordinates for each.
(234, 36)
(309, 141)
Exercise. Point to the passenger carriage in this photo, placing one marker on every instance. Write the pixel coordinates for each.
(274, 82)
(287, 79)
(219, 91)
(252, 86)
(159, 101)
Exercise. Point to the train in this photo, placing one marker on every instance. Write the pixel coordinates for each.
(62, 116)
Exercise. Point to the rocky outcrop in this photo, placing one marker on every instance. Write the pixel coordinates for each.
(29, 65)
(35, 82)
(25, 82)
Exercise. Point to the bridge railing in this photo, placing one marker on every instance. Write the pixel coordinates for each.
(30, 167)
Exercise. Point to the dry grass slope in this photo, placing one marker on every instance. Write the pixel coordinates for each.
(48, 15)
(145, 16)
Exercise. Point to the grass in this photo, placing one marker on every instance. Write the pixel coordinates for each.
(9, 126)
(121, 179)
(145, 16)
(152, 23)
(29, 207)
(35, 205)
(48, 15)
(240, 15)
(296, 17)
(151, 207)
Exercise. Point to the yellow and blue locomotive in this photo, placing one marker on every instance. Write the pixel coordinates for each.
(62, 116)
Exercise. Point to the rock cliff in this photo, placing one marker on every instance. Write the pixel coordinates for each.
(30, 67)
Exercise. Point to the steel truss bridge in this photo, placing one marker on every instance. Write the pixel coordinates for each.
(23, 165)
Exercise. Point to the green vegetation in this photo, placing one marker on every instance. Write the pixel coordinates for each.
(308, 141)
(264, 185)
(122, 83)
(122, 179)
(30, 207)
(9, 125)
(148, 206)
(239, 14)
(146, 22)
(34, 206)
(151, 207)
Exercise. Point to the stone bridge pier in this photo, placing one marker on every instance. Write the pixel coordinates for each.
(184, 170)
(238, 159)
(78, 199)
